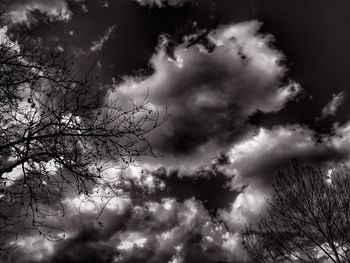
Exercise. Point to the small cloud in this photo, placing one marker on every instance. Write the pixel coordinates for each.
(60, 48)
(105, 4)
(162, 3)
(333, 105)
(84, 8)
(97, 45)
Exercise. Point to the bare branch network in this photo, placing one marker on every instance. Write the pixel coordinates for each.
(58, 132)
(308, 218)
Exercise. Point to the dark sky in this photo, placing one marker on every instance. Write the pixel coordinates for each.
(249, 85)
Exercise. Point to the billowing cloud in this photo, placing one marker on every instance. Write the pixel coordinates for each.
(211, 93)
(256, 160)
(162, 3)
(157, 232)
(332, 106)
(164, 229)
(173, 230)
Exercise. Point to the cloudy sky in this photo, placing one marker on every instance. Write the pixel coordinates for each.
(248, 85)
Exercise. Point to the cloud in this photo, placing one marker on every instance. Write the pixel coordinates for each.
(20, 12)
(178, 230)
(332, 106)
(52, 211)
(98, 44)
(156, 232)
(172, 229)
(162, 3)
(256, 160)
(210, 94)
(246, 208)
(85, 238)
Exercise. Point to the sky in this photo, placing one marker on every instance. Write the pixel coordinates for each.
(248, 85)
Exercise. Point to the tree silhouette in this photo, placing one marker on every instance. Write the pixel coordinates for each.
(307, 218)
(58, 131)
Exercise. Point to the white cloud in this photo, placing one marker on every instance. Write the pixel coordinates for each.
(6, 41)
(210, 94)
(43, 248)
(244, 209)
(332, 106)
(19, 12)
(98, 44)
(55, 10)
(272, 149)
(130, 241)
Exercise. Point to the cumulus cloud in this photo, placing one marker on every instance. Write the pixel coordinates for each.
(55, 10)
(211, 93)
(256, 160)
(173, 230)
(170, 229)
(167, 229)
(52, 211)
(162, 3)
(332, 106)
(157, 232)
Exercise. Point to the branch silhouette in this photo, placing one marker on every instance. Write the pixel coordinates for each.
(59, 132)
(307, 218)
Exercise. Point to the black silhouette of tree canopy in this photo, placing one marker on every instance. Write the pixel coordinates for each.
(58, 130)
(308, 218)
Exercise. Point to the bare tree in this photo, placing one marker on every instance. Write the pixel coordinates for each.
(308, 218)
(58, 130)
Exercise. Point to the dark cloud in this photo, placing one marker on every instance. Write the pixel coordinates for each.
(89, 242)
(173, 209)
(154, 232)
(211, 94)
(179, 220)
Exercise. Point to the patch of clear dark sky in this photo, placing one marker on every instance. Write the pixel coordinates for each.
(209, 186)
